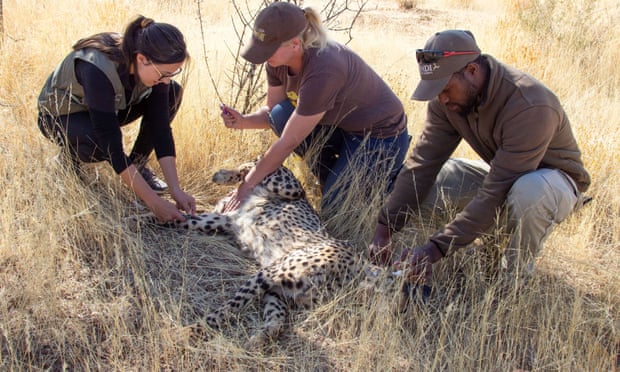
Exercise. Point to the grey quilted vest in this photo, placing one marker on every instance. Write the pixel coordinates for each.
(63, 95)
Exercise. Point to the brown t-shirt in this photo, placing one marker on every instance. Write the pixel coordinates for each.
(339, 82)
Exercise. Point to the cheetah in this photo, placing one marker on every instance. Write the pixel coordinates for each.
(301, 264)
(275, 219)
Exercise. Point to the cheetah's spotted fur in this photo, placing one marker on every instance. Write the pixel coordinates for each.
(300, 262)
(275, 219)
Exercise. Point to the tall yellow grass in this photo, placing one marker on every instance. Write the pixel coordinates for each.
(81, 291)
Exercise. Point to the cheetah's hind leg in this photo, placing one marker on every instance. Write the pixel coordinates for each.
(274, 308)
(275, 311)
(252, 288)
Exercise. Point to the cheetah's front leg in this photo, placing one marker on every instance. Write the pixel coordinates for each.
(209, 223)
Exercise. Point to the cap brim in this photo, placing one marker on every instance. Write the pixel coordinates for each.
(258, 52)
(429, 89)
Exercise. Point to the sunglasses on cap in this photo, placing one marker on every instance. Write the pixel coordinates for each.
(430, 56)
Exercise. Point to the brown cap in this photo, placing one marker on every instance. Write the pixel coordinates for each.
(277, 23)
(444, 54)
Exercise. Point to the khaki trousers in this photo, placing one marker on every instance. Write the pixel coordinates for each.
(537, 202)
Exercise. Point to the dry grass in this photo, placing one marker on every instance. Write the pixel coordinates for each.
(78, 290)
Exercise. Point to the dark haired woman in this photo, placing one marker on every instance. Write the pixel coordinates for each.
(110, 80)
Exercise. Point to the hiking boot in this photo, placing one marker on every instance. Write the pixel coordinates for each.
(156, 183)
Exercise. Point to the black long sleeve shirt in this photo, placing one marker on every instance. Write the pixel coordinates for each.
(99, 96)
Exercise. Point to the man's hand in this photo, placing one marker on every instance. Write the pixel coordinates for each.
(380, 249)
(417, 263)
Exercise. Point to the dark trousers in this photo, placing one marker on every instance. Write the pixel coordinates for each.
(334, 155)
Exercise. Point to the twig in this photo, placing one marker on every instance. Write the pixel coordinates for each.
(204, 53)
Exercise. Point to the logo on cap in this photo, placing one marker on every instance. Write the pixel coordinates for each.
(428, 68)
(259, 34)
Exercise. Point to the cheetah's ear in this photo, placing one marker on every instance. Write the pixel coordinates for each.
(246, 167)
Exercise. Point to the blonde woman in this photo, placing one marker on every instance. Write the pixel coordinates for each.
(320, 93)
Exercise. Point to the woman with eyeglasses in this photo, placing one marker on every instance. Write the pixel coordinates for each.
(108, 81)
(324, 103)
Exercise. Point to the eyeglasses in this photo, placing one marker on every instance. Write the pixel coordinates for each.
(167, 75)
(430, 56)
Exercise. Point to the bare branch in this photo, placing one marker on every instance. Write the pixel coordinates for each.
(1, 21)
(204, 52)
